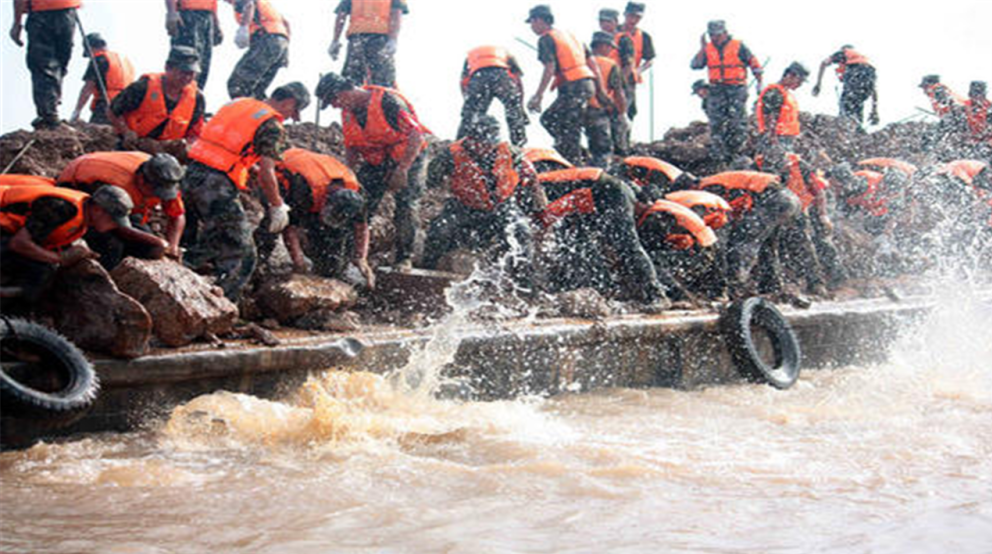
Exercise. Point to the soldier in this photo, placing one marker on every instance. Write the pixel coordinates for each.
(373, 29)
(265, 33)
(492, 72)
(977, 112)
(50, 26)
(244, 133)
(777, 115)
(494, 192)
(727, 60)
(149, 182)
(385, 147)
(857, 74)
(643, 56)
(116, 73)
(606, 118)
(948, 106)
(161, 112)
(194, 23)
(568, 63)
(683, 248)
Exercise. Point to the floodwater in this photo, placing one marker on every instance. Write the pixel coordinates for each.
(895, 458)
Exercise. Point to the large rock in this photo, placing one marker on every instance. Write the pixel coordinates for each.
(88, 308)
(184, 306)
(290, 298)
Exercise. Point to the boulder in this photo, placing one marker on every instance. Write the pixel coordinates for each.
(184, 305)
(87, 307)
(290, 298)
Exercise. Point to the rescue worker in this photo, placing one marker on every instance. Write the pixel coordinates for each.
(762, 207)
(494, 195)
(701, 89)
(623, 55)
(977, 112)
(194, 23)
(265, 33)
(328, 223)
(373, 29)
(592, 214)
(606, 118)
(385, 146)
(949, 109)
(150, 181)
(161, 112)
(777, 114)
(644, 53)
(568, 64)
(492, 72)
(654, 178)
(727, 60)
(683, 249)
(50, 25)
(244, 133)
(39, 227)
(857, 74)
(116, 73)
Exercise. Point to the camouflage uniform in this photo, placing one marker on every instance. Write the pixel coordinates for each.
(367, 61)
(198, 31)
(494, 82)
(257, 69)
(50, 36)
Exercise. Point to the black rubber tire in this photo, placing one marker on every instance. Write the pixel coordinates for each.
(44, 378)
(737, 322)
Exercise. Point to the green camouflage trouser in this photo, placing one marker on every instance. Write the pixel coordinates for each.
(257, 69)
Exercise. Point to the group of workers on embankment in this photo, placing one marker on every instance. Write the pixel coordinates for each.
(636, 228)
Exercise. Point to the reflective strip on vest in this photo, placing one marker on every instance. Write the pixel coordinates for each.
(198, 5)
(571, 57)
(606, 66)
(15, 208)
(227, 141)
(377, 139)
(370, 17)
(487, 56)
(726, 67)
(153, 112)
(686, 218)
(110, 168)
(120, 74)
(319, 171)
(788, 116)
(52, 5)
(469, 182)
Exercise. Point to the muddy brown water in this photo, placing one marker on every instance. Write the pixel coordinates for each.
(890, 458)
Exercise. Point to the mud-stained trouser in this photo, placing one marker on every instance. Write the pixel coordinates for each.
(859, 83)
(599, 133)
(726, 108)
(368, 61)
(495, 82)
(257, 69)
(197, 31)
(223, 238)
(375, 179)
(757, 231)
(565, 116)
(50, 37)
(798, 252)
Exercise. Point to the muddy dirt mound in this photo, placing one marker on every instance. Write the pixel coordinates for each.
(52, 150)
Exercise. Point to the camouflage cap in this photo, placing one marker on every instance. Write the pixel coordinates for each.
(116, 202)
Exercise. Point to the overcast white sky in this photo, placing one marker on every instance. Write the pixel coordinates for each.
(905, 41)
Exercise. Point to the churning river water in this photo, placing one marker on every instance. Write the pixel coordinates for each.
(894, 458)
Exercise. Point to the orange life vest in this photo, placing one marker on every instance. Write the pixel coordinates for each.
(637, 37)
(52, 5)
(469, 180)
(739, 187)
(197, 5)
(652, 164)
(119, 169)
(940, 108)
(320, 172)
(796, 182)
(15, 208)
(698, 232)
(978, 118)
(120, 74)
(872, 201)
(370, 17)
(153, 112)
(227, 141)
(716, 210)
(267, 19)
(965, 170)
(535, 155)
(788, 116)
(572, 63)
(579, 201)
(34, 180)
(378, 138)
(606, 67)
(885, 163)
(851, 57)
(487, 56)
(726, 67)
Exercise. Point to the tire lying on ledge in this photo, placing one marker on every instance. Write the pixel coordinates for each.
(739, 323)
(44, 378)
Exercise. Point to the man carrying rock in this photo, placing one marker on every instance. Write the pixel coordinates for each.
(116, 73)
(265, 33)
(50, 25)
(373, 29)
(150, 181)
(194, 23)
(385, 146)
(243, 134)
(492, 72)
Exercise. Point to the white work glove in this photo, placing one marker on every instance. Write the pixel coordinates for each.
(278, 218)
(242, 38)
(334, 50)
(390, 48)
